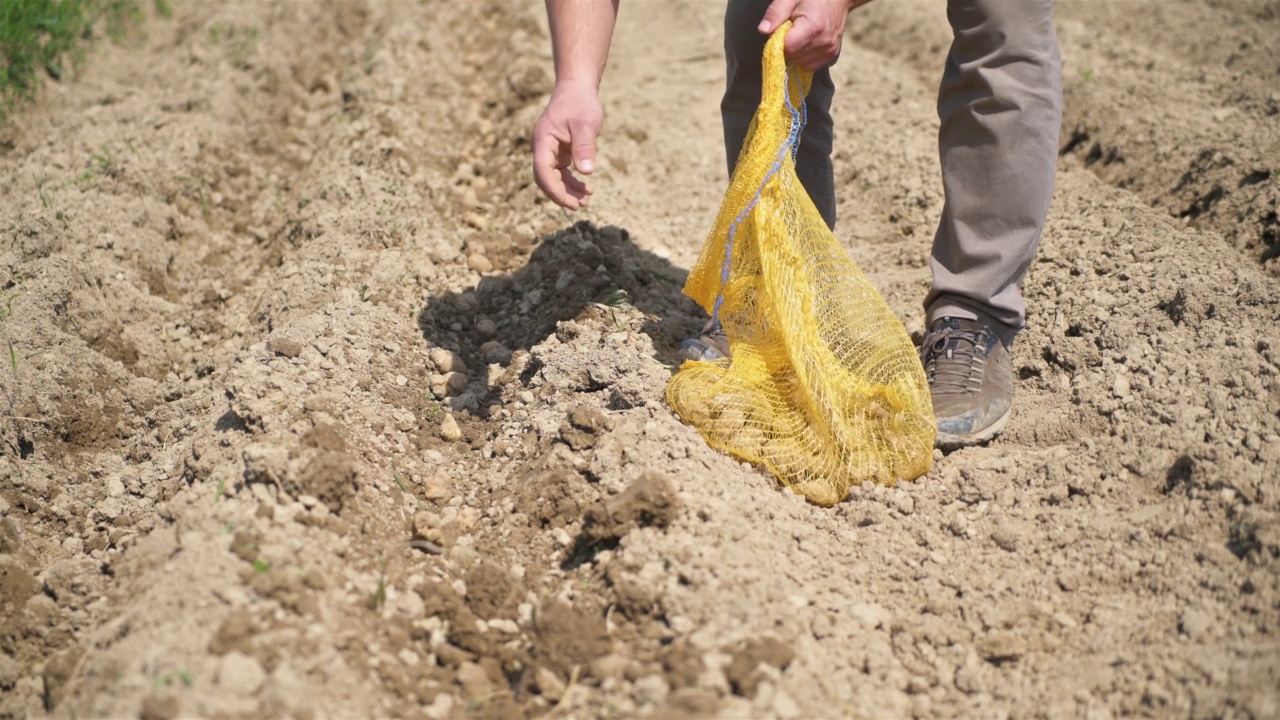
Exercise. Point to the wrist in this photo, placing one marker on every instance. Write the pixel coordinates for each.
(576, 83)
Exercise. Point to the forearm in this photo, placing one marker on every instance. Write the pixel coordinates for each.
(581, 31)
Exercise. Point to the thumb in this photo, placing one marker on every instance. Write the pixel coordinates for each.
(583, 137)
(779, 12)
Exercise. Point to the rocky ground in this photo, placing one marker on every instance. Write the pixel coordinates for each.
(313, 407)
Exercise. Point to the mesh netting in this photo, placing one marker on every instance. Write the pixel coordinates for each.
(823, 386)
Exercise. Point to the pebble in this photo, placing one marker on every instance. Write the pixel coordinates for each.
(1006, 539)
(967, 681)
(455, 383)
(1195, 624)
(486, 328)
(784, 706)
(474, 680)
(449, 429)
(651, 689)
(402, 380)
(446, 361)
(1121, 387)
(441, 707)
(550, 686)
(438, 485)
(479, 263)
(610, 666)
(240, 674)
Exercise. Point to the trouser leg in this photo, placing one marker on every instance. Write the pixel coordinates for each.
(744, 54)
(1000, 104)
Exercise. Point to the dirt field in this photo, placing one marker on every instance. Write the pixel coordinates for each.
(314, 408)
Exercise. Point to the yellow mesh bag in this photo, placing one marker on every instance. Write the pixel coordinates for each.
(823, 386)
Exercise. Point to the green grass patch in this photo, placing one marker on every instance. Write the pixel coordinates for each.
(47, 37)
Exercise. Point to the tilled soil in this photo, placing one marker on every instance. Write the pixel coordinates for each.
(314, 408)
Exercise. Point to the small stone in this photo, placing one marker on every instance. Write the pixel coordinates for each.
(967, 681)
(1195, 624)
(441, 707)
(1006, 539)
(284, 346)
(525, 397)
(784, 706)
(550, 686)
(446, 361)
(160, 707)
(455, 383)
(402, 380)
(439, 485)
(479, 263)
(438, 386)
(1121, 387)
(115, 486)
(902, 501)
(449, 429)
(870, 615)
(486, 328)
(610, 666)
(489, 347)
(477, 221)
(474, 680)
(651, 689)
(240, 674)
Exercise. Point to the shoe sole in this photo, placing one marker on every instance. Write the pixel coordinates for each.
(946, 441)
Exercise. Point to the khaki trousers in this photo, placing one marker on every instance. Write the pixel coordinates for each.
(1000, 106)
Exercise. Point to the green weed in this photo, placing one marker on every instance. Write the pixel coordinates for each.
(45, 37)
(13, 358)
(105, 160)
(6, 312)
(240, 41)
(617, 299)
(261, 566)
(1086, 74)
(169, 678)
(46, 198)
(379, 597)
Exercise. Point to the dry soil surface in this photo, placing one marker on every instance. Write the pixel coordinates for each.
(313, 408)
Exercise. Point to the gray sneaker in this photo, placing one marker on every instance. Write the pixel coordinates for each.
(970, 374)
(712, 344)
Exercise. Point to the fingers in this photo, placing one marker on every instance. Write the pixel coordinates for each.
(779, 12)
(814, 39)
(810, 46)
(552, 164)
(799, 41)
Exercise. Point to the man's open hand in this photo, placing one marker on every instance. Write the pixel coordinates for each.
(564, 140)
(816, 32)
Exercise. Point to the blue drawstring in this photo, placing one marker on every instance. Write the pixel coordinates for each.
(799, 118)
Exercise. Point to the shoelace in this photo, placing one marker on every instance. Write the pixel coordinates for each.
(954, 375)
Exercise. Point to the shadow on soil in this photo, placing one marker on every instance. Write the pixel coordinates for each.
(566, 272)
